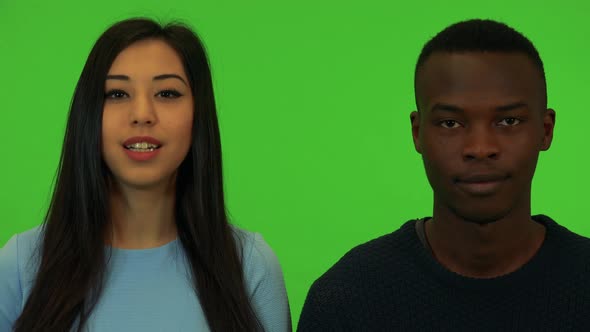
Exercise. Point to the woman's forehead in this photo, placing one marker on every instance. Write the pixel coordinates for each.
(147, 58)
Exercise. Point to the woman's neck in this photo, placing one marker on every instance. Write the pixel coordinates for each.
(142, 218)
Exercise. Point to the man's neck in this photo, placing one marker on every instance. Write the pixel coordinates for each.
(484, 251)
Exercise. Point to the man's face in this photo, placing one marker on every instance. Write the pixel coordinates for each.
(481, 124)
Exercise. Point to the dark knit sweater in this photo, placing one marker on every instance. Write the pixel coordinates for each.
(393, 283)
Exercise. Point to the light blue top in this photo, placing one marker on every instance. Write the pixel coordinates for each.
(149, 290)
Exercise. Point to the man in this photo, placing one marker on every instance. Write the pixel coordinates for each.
(482, 262)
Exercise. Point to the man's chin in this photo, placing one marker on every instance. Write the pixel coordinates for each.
(482, 221)
(481, 218)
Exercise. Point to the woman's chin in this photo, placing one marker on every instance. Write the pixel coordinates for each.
(145, 182)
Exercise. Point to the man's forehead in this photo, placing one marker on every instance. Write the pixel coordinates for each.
(470, 62)
(478, 74)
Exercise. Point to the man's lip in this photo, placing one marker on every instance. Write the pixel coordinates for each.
(481, 184)
(139, 139)
(482, 178)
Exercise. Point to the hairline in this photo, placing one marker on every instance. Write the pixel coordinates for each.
(424, 60)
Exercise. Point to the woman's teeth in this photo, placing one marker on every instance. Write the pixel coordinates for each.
(142, 147)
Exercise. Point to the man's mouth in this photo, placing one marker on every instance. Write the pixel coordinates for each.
(482, 178)
(483, 184)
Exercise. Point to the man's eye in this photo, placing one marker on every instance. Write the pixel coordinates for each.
(169, 94)
(115, 94)
(449, 124)
(507, 122)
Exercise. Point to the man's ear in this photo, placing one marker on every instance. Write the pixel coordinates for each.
(415, 121)
(548, 125)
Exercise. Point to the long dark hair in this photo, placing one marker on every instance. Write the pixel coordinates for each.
(72, 256)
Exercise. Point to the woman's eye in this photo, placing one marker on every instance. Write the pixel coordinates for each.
(449, 124)
(115, 94)
(169, 94)
(507, 122)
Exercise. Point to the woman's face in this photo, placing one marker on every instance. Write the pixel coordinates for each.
(148, 115)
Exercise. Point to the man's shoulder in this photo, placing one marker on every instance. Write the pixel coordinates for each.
(570, 250)
(362, 279)
(382, 255)
(565, 240)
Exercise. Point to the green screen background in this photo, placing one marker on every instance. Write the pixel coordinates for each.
(314, 101)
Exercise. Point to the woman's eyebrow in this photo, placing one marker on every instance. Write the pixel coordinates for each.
(156, 78)
(118, 77)
(166, 76)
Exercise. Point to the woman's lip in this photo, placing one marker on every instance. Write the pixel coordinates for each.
(141, 139)
(141, 156)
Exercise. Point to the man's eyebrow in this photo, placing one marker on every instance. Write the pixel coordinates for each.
(167, 76)
(156, 78)
(456, 109)
(446, 108)
(513, 106)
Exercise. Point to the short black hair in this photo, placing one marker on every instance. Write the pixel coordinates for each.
(479, 35)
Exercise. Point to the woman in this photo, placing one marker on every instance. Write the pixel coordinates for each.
(136, 237)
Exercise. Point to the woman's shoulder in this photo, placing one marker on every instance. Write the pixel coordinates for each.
(20, 254)
(264, 280)
(254, 248)
(260, 263)
(21, 249)
(18, 263)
